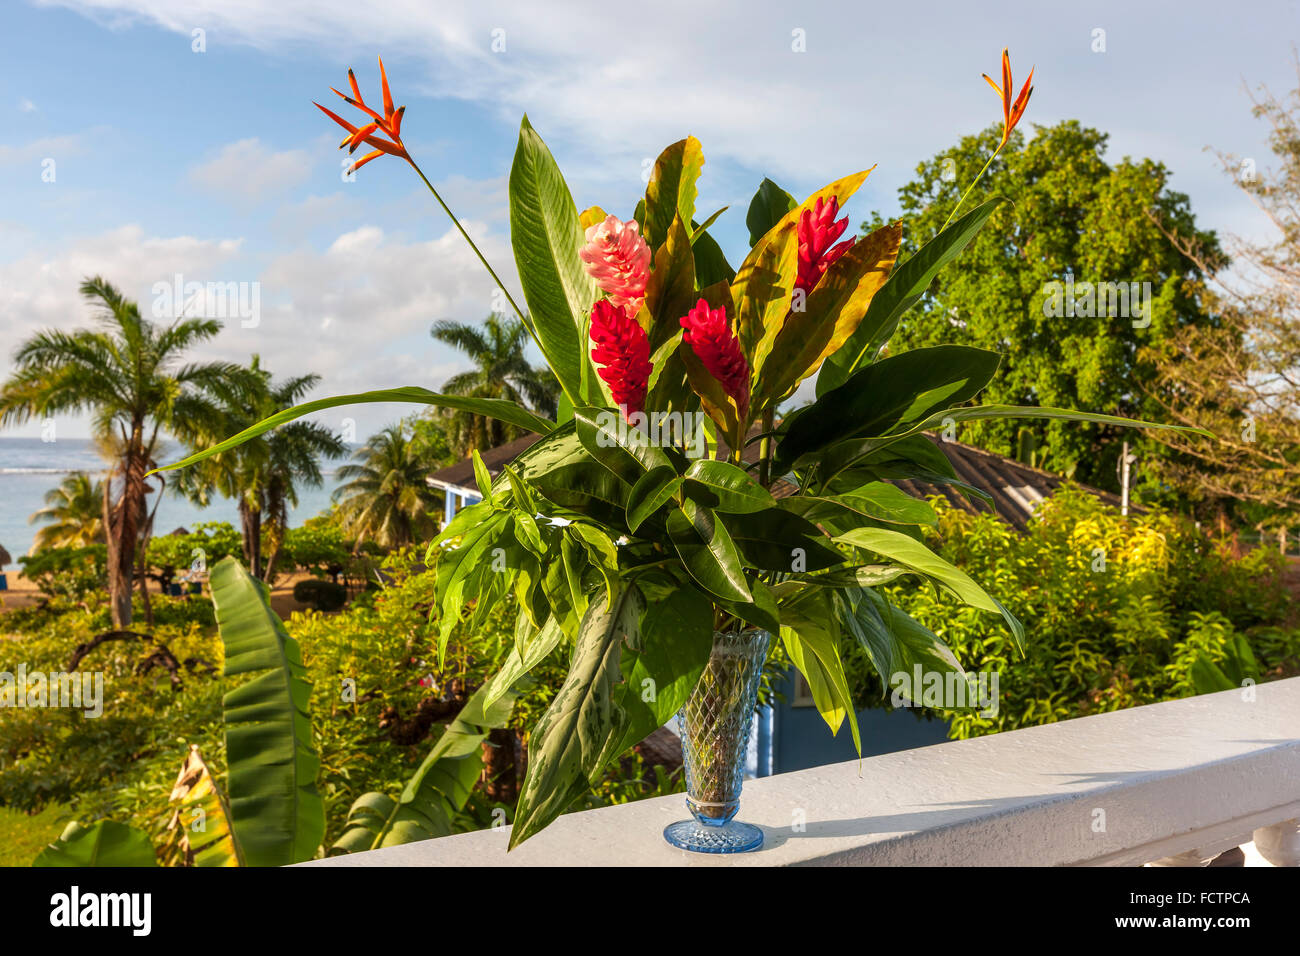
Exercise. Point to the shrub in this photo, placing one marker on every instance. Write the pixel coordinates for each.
(1116, 610)
(73, 573)
(322, 595)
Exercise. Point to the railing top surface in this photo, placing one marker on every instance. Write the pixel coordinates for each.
(1122, 787)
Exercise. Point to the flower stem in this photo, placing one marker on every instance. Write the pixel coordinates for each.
(523, 317)
(972, 185)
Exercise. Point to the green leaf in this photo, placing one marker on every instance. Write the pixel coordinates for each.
(809, 642)
(830, 314)
(707, 551)
(497, 408)
(895, 643)
(703, 227)
(546, 236)
(103, 843)
(779, 540)
(724, 487)
(440, 786)
(711, 265)
(768, 207)
(517, 665)
(481, 476)
(903, 290)
(912, 554)
(762, 611)
(886, 394)
(878, 500)
(625, 450)
(672, 189)
(570, 738)
(276, 810)
(659, 674)
(654, 490)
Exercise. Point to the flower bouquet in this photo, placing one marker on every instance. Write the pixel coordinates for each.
(670, 523)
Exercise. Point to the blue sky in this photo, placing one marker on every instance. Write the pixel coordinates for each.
(215, 165)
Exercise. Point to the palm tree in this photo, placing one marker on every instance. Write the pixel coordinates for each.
(76, 508)
(129, 375)
(501, 370)
(264, 474)
(386, 499)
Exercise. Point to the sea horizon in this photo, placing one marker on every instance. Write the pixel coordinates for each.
(29, 467)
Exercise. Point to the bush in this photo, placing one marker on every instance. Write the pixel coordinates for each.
(1116, 610)
(73, 573)
(322, 595)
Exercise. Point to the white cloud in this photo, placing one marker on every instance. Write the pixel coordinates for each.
(357, 313)
(26, 106)
(249, 171)
(52, 147)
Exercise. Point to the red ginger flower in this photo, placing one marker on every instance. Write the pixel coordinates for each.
(718, 350)
(817, 231)
(623, 348)
(619, 260)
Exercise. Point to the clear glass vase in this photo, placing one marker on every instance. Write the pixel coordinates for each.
(715, 724)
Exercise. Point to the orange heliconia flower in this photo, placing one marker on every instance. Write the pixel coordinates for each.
(1011, 112)
(390, 123)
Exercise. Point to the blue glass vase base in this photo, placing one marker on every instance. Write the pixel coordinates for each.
(731, 837)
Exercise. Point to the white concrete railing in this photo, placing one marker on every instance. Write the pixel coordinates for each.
(1177, 782)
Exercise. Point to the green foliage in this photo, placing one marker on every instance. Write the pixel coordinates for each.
(74, 573)
(208, 543)
(103, 843)
(318, 545)
(1134, 611)
(1069, 212)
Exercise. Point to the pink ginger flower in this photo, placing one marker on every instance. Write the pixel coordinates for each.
(817, 231)
(619, 260)
(623, 349)
(718, 351)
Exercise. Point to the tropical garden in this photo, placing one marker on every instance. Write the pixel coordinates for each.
(432, 676)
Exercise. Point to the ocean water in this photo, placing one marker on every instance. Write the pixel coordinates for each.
(30, 467)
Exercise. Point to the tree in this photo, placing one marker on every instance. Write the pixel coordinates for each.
(263, 474)
(1240, 377)
(386, 498)
(501, 370)
(129, 375)
(75, 510)
(1077, 221)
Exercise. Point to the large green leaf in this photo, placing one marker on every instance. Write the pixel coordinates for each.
(878, 500)
(769, 206)
(660, 672)
(817, 327)
(807, 631)
(711, 265)
(723, 487)
(779, 540)
(277, 812)
(911, 553)
(903, 290)
(441, 786)
(570, 738)
(672, 189)
(886, 394)
(626, 451)
(103, 843)
(895, 642)
(706, 549)
(497, 408)
(546, 236)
